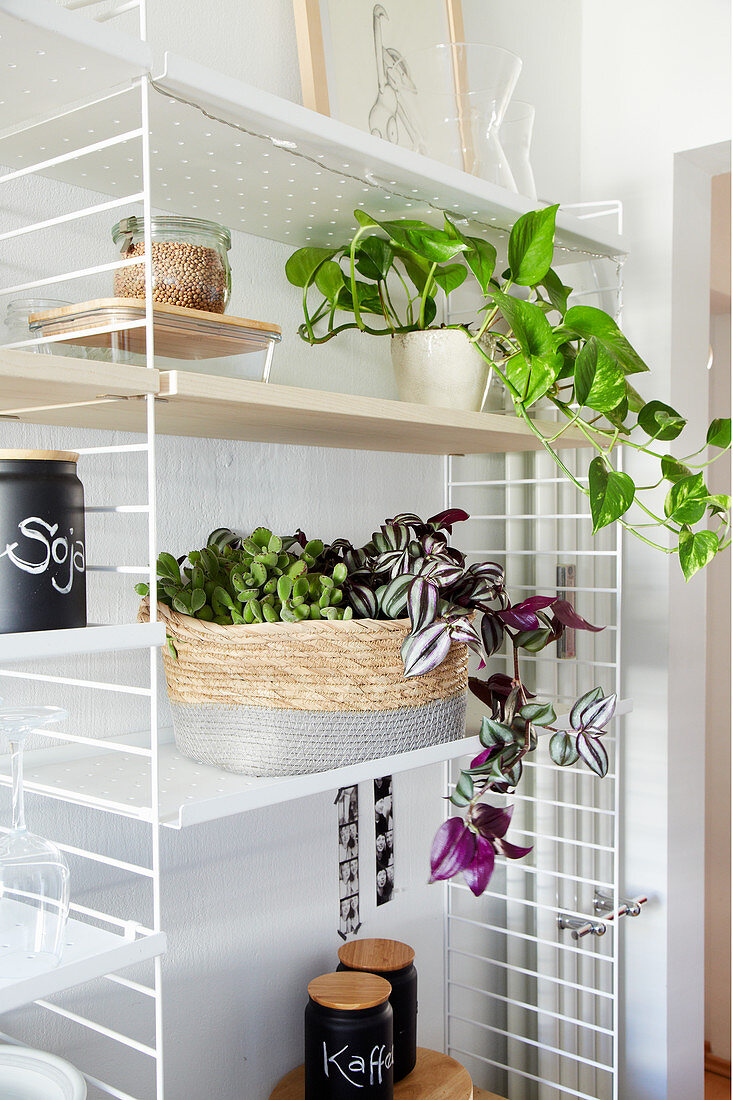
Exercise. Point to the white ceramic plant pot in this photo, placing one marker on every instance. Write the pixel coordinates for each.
(440, 366)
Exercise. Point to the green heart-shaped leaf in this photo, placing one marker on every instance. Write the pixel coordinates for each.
(611, 493)
(301, 267)
(672, 470)
(661, 421)
(531, 244)
(587, 321)
(719, 433)
(696, 549)
(686, 500)
(599, 380)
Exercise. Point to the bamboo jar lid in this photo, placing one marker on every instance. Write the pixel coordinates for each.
(349, 991)
(380, 955)
(40, 456)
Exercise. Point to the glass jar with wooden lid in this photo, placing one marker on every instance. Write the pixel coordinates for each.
(394, 961)
(348, 1038)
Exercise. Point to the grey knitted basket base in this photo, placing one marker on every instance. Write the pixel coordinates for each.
(266, 742)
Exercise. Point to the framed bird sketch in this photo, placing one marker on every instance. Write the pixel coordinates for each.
(357, 60)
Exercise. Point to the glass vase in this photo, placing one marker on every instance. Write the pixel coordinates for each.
(34, 876)
(462, 92)
(515, 135)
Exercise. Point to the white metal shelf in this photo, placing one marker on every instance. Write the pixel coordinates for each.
(193, 793)
(53, 57)
(42, 644)
(89, 952)
(265, 166)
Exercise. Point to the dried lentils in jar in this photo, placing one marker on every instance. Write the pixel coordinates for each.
(189, 257)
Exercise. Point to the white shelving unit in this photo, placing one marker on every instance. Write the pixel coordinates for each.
(83, 107)
(90, 951)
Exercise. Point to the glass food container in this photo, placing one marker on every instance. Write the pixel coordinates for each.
(190, 262)
(17, 327)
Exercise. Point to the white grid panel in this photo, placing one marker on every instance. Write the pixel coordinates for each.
(116, 876)
(532, 1012)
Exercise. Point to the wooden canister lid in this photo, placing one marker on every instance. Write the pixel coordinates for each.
(348, 991)
(380, 955)
(40, 456)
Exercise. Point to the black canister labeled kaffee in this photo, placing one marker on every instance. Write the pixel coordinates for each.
(348, 1038)
(42, 551)
(393, 961)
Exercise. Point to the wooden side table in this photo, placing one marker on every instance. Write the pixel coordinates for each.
(435, 1077)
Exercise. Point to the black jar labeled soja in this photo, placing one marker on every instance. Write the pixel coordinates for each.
(42, 553)
(394, 961)
(348, 1038)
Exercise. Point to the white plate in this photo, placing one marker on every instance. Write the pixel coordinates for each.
(35, 1075)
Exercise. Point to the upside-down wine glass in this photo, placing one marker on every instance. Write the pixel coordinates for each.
(34, 876)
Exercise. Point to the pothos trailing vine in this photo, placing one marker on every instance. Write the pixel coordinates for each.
(576, 359)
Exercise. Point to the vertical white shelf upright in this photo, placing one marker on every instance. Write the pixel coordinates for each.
(59, 62)
(84, 105)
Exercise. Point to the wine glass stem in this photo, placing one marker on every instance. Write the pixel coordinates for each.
(16, 759)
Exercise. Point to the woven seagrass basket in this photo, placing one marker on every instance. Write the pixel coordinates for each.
(291, 698)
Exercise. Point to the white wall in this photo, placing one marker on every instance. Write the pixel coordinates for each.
(641, 63)
(547, 37)
(718, 728)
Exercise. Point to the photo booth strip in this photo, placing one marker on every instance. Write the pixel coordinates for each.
(347, 801)
(384, 838)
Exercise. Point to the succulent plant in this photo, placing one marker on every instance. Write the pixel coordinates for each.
(237, 581)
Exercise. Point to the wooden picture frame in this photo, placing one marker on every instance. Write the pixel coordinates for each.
(313, 61)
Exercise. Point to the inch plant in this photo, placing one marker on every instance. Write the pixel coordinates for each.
(387, 281)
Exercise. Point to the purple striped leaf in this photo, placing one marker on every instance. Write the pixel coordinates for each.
(481, 868)
(565, 613)
(447, 518)
(512, 851)
(423, 650)
(397, 535)
(491, 821)
(408, 518)
(452, 849)
(464, 632)
(392, 597)
(582, 704)
(523, 616)
(435, 543)
(489, 570)
(364, 601)
(599, 714)
(443, 572)
(593, 753)
(492, 633)
(422, 602)
(562, 749)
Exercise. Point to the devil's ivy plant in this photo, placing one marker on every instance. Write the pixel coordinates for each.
(388, 280)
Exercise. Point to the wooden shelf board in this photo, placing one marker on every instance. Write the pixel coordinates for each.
(210, 406)
(69, 392)
(34, 381)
